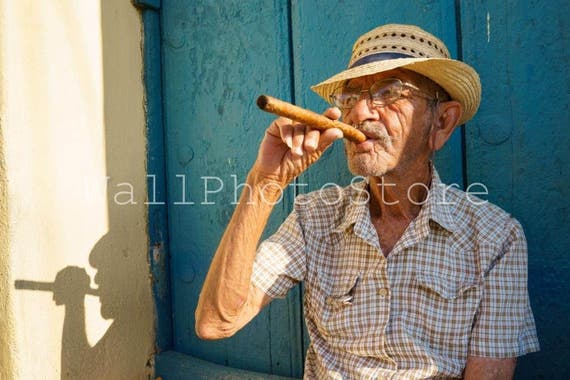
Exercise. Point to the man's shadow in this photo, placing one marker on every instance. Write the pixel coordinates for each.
(112, 356)
(122, 274)
(119, 345)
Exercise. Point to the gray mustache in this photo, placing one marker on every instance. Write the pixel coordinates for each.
(374, 130)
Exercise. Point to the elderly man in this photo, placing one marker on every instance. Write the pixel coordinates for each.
(404, 277)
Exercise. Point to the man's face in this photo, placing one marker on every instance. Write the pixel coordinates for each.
(397, 133)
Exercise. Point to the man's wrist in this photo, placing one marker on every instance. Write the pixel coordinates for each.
(264, 189)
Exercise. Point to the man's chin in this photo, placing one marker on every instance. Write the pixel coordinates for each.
(364, 164)
(359, 169)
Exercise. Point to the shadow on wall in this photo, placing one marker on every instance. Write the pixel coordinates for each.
(116, 349)
(119, 256)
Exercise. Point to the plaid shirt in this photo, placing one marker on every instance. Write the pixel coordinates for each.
(455, 284)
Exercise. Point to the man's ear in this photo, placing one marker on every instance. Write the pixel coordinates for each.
(448, 115)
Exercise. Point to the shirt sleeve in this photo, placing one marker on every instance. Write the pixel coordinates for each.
(280, 261)
(504, 326)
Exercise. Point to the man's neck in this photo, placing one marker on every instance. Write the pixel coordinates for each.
(398, 195)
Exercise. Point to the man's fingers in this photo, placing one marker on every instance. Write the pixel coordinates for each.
(333, 113)
(328, 137)
(312, 137)
(301, 138)
(298, 139)
(284, 129)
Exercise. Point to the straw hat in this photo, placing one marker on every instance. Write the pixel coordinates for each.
(406, 46)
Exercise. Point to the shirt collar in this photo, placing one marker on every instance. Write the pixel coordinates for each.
(436, 208)
(356, 210)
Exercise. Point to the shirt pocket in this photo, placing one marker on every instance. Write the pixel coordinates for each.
(442, 309)
(448, 288)
(333, 300)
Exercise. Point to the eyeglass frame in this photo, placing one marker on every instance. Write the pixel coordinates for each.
(370, 101)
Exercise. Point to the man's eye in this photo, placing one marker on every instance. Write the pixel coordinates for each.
(350, 99)
(386, 93)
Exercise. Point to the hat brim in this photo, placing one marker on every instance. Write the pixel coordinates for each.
(460, 80)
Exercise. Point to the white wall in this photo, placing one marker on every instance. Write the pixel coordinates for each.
(72, 115)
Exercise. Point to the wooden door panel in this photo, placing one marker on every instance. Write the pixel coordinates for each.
(217, 57)
(517, 146)
(323, 34)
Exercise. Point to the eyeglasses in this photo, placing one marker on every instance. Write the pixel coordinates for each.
(382, 93)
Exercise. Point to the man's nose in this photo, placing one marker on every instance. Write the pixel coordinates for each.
(362, 111)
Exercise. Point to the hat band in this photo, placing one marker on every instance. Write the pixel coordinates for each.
(379, 57)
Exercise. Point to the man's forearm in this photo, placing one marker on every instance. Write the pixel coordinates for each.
(226, 290)
(479, 368)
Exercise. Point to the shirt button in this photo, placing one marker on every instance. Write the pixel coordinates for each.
(383, 292)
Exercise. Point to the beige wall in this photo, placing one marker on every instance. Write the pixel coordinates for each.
(72, 151)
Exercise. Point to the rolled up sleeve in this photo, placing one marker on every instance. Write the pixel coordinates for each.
(280, 261)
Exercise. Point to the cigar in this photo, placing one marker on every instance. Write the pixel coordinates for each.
(43, 286)
(310, 118)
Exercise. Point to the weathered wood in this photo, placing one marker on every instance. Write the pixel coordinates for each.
(217, 56)
(323, 33)
(518, 147)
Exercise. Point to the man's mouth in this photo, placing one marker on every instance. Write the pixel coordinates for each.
(373, 136)
(373, 131)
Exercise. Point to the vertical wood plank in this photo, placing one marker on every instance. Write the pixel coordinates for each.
(323, 34)
(156, 172)
(217, 58)
(518, 146)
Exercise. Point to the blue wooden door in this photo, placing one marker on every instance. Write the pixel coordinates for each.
(219, 56)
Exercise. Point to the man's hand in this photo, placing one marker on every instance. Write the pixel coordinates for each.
(70, 286)
(228, 299)
(290, 148)
(478, 368)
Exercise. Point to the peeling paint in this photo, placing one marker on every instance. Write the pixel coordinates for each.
(156, 252)
(488, 27)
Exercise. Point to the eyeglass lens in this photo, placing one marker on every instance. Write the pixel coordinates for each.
(381, 93)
